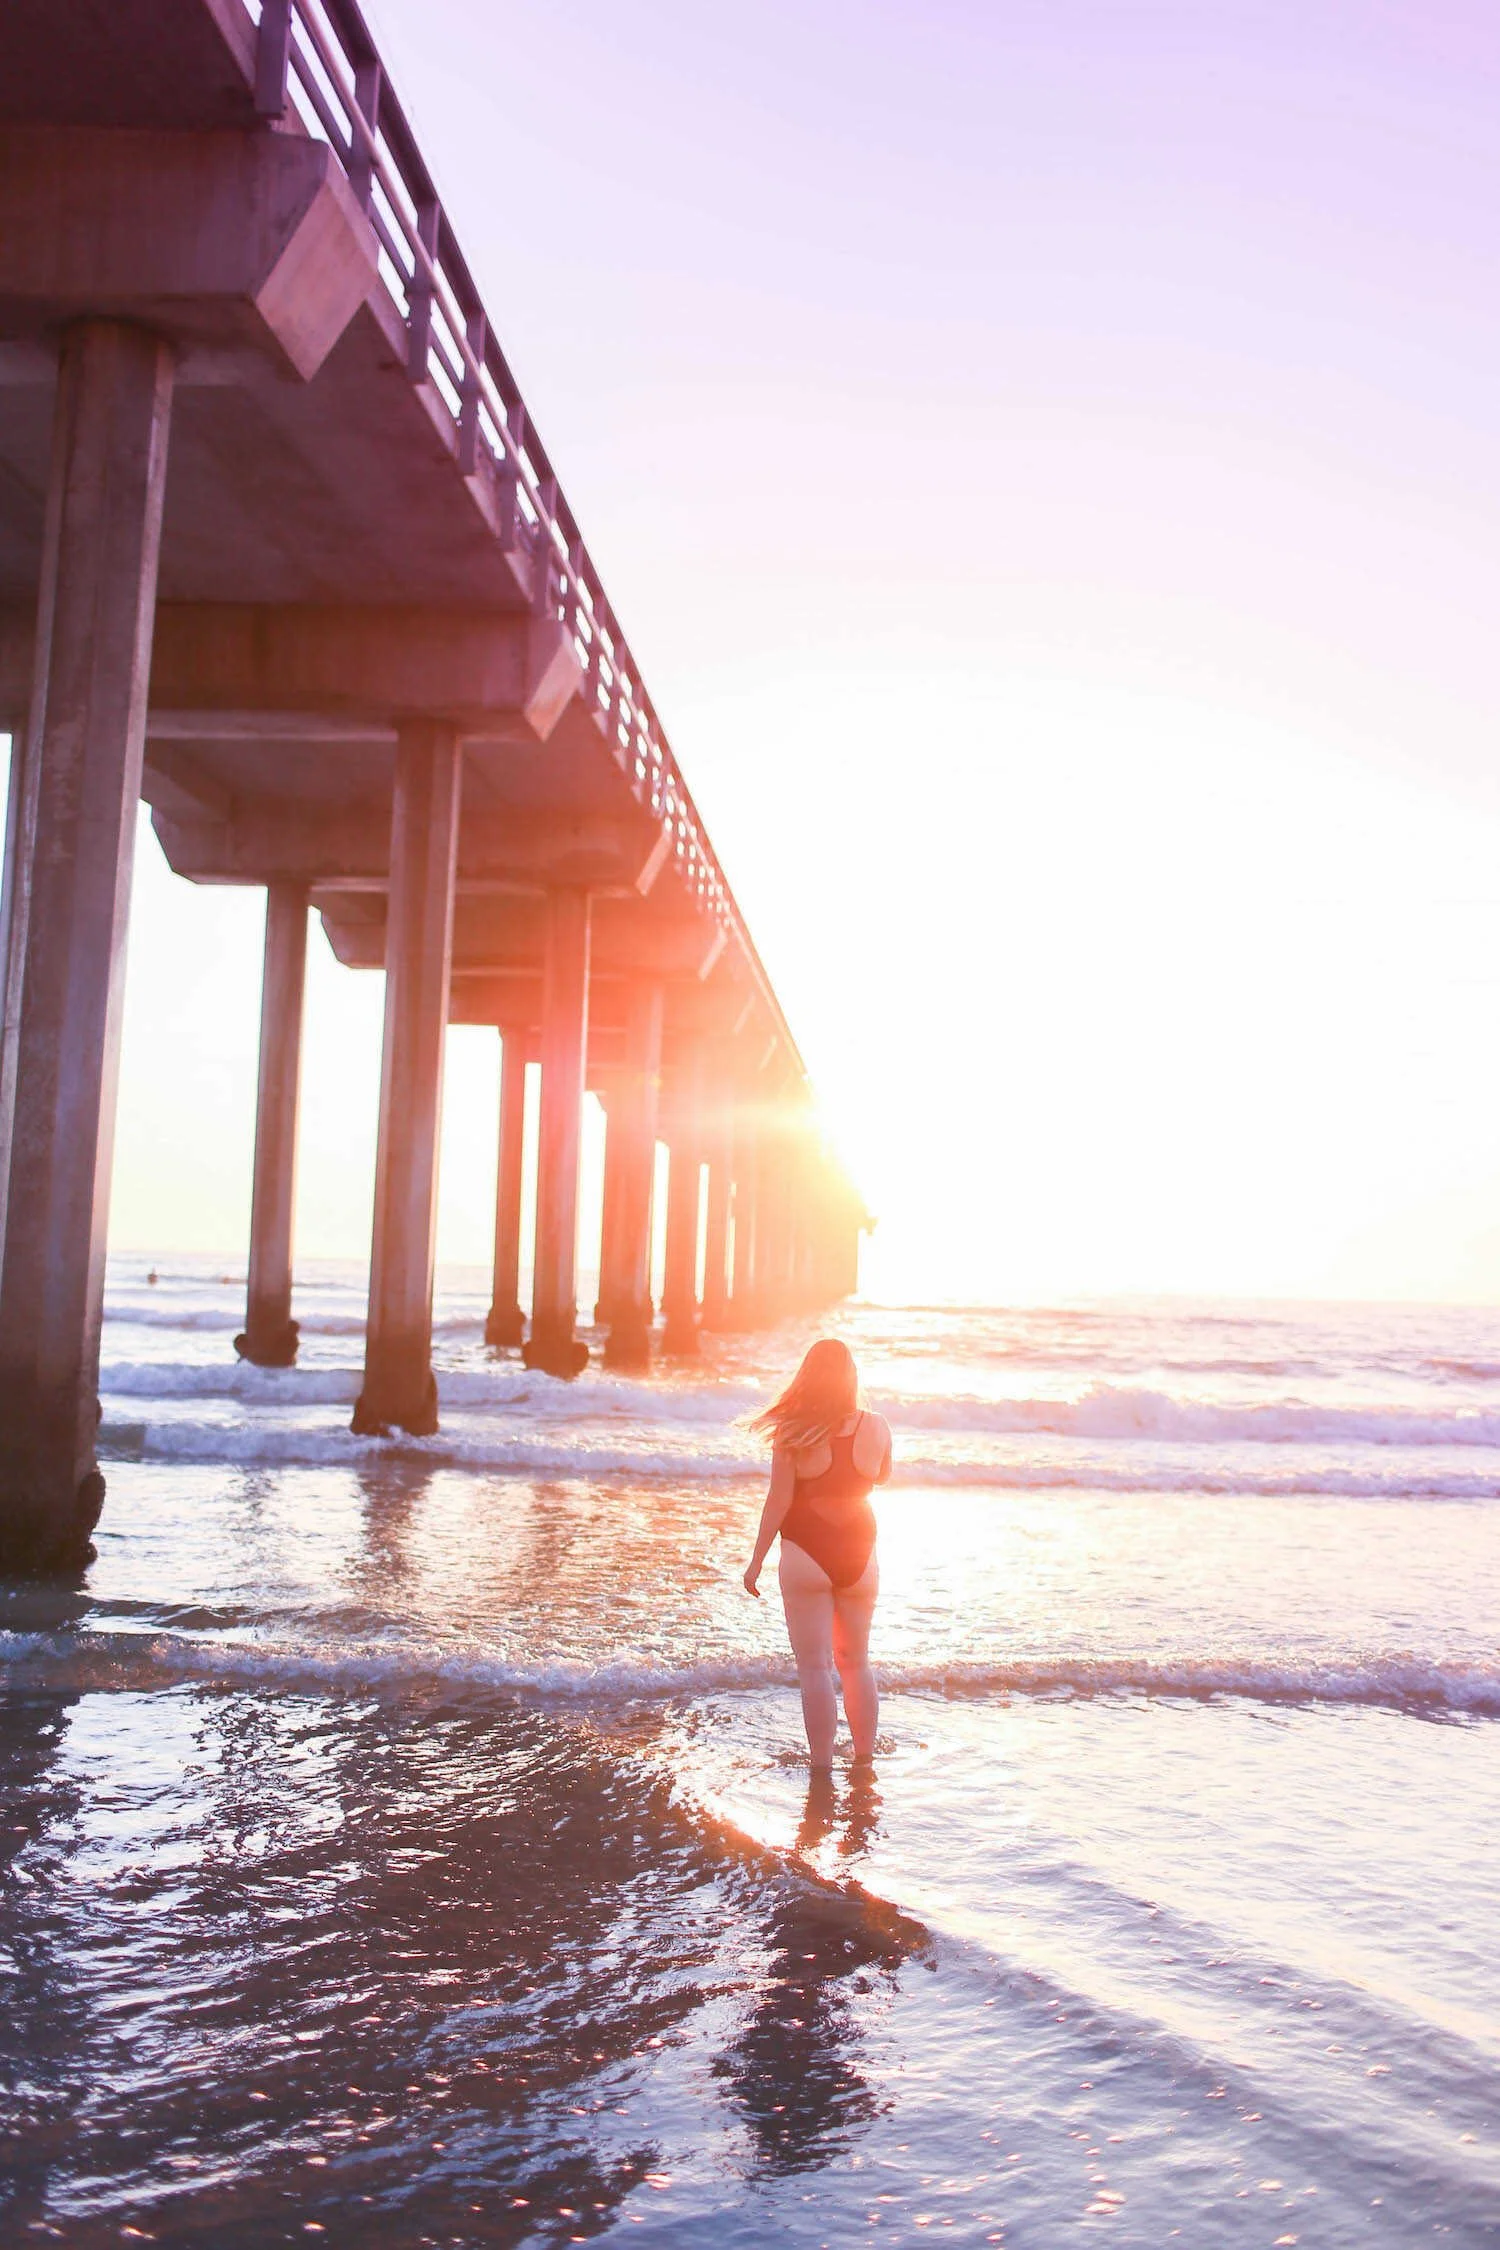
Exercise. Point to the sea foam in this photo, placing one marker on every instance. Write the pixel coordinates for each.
(105, 1659)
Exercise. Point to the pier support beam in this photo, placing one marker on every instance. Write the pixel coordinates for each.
(743, 1310)
(719, 1148)
(609, 1227)
(270, 1337)
(552, 1345)
(633, 1117)
(773, 1247)
(399, 1390)
(69, 902)
(684, 1194)
(15, 896)
(506, 1324)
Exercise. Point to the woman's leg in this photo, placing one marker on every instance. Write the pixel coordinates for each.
(807, 1598)
(853, 1609)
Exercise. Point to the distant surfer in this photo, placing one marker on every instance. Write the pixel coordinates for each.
(828, 1452)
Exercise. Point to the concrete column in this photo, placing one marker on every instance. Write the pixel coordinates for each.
(742, 1284)
(684, 1195)
(68, 911)
(609, 1228)
(15, 896)
(773, 1230)
(399, 1390)
(506, 1324)
(634, 1118)
(270, 1337)
(720, 1149)
(843, 1269)
(794, 1191)
(552, 1346)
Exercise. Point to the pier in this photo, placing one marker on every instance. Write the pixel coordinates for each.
(283, 553)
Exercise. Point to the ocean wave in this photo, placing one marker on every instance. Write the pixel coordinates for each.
(1106, 1413)
(592, 1451)
(225, 1319)
(464, 1442)
(103, 1659)
(504, 1387)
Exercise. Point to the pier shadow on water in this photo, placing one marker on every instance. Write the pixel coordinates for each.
(283, 1966)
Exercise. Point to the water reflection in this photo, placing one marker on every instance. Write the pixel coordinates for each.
(851, 1819)
(796, 2067)
(391, 1495)
(289, 1961)
(41, 2004)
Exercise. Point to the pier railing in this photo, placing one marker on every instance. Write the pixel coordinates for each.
(319, 57)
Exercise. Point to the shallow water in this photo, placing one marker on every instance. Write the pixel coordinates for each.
(411, 1843)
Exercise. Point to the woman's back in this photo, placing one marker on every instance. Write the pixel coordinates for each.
(830, 1517)
(860, 1449)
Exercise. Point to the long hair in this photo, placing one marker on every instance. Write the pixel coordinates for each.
(823, 1392)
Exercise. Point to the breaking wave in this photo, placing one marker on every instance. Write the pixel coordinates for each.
(94, 1659)
(1104, 1413)
(225, 1320)
(596, 1450)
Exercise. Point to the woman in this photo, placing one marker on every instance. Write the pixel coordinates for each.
(827, 1452)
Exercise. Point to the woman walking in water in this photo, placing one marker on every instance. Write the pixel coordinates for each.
(827, 1453)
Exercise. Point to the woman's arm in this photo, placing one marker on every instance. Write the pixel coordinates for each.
(772, 1515)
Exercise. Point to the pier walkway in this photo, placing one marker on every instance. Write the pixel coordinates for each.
(282, 552)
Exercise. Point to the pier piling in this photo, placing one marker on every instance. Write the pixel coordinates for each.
(74, 840)
(552, 1345)
(634, 1118)
(506, 1323)
(399, 1390)
(719, 1150)
(684, 1197)
(270, 1333)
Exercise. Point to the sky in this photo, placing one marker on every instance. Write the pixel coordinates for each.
(1046, 458)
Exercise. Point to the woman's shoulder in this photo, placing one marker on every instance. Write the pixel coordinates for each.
(872, 1441)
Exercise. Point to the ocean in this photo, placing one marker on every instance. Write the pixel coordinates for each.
(413, 1843)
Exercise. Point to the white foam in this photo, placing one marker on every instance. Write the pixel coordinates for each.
(1104, 1414)
(463, 1442)
(568, 1448)
(1109, 1413)
(229, 1379)
(505, 1387)
(224, 1319)
(91, 1657)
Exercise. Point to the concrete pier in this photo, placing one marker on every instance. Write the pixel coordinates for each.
(399, 1390)
(270, 1334)
(684, 1200)
(552, 1345)
(506, 1323)
(633, 1117)
(366, 559)
(69, 904)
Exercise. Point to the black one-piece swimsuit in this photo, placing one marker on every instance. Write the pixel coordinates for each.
(830, 1517)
